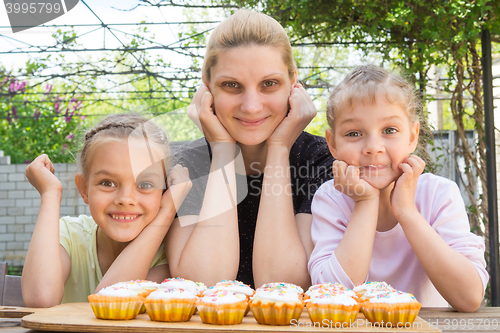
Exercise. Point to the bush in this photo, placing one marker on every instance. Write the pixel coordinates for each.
(36, 121)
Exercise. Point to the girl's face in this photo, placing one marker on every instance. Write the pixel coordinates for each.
(250, 86)
(376, 138)
(123, 188)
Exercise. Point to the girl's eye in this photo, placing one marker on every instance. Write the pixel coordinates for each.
(231, 85)
(353, 134)
(107, 183)
(390, 130)
(146, 186)
(269, 83)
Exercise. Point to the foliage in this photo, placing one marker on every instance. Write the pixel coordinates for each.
(29, 128)
(41, 112)
(15, 270)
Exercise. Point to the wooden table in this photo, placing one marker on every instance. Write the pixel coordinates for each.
(446, 320)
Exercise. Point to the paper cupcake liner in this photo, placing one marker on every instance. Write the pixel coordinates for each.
(336, 313)
(116, 308)
(174, 309)
(146, 292)
(275, 313)
(223, 314)
(397, 313)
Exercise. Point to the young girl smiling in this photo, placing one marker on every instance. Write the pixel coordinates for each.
(123, 164)
(381, 219)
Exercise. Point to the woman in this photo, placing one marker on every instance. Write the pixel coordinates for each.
(250, 106)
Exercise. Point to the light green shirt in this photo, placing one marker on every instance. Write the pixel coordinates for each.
(78, 236)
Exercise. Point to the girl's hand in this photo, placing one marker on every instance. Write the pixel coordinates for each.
(179, 186)
(40, 174)
(202, 114)
(302, 111)
(403, 193)
(346, 180)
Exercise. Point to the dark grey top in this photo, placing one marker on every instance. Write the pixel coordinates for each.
(310, 166)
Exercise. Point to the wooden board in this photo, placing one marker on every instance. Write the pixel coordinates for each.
(78, 317)
(15, 311)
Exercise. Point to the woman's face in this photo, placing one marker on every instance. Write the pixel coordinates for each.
(250, 86)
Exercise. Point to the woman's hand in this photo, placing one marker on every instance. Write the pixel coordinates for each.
(202, 114)
(179, 186)
(40, 174)
(403, 193)
(302, 111)
(346, 180)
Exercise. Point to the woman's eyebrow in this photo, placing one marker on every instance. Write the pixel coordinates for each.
(273, 74)
(218, 77)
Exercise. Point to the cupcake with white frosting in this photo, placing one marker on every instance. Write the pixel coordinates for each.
(332, 288)
(234, 286)
(196, 288)
(231, 286)
(142, 287)
(222, 308)
(333, 302)
(170, 305)
(372, 289)
(277, 303)
(116, 303)
(392, 309)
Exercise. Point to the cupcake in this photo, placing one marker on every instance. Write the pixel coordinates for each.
(197, 288)
(170, 305)
(392, 309)
(337, 304)
(283, 286)
(369, 290)
(115, 303)
(234, 286)
(222, 308)
(277, 303)
(332, 288)
(142, 287)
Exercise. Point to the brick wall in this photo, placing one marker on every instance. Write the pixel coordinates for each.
(19, 205)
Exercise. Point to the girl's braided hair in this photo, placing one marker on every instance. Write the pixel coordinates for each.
(119, 127)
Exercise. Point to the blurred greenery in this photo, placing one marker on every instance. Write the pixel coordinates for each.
(31, 128)
(15, 270)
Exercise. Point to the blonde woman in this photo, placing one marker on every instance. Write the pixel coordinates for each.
(250, 218)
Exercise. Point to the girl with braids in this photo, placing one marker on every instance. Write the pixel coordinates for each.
(380, 218)
(123, 166)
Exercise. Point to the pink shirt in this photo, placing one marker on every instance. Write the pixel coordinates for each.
(393, 260)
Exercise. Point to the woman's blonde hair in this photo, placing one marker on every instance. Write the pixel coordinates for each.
(245, 28)
(120, 127)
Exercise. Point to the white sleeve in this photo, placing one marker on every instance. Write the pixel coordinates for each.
(331, 213)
